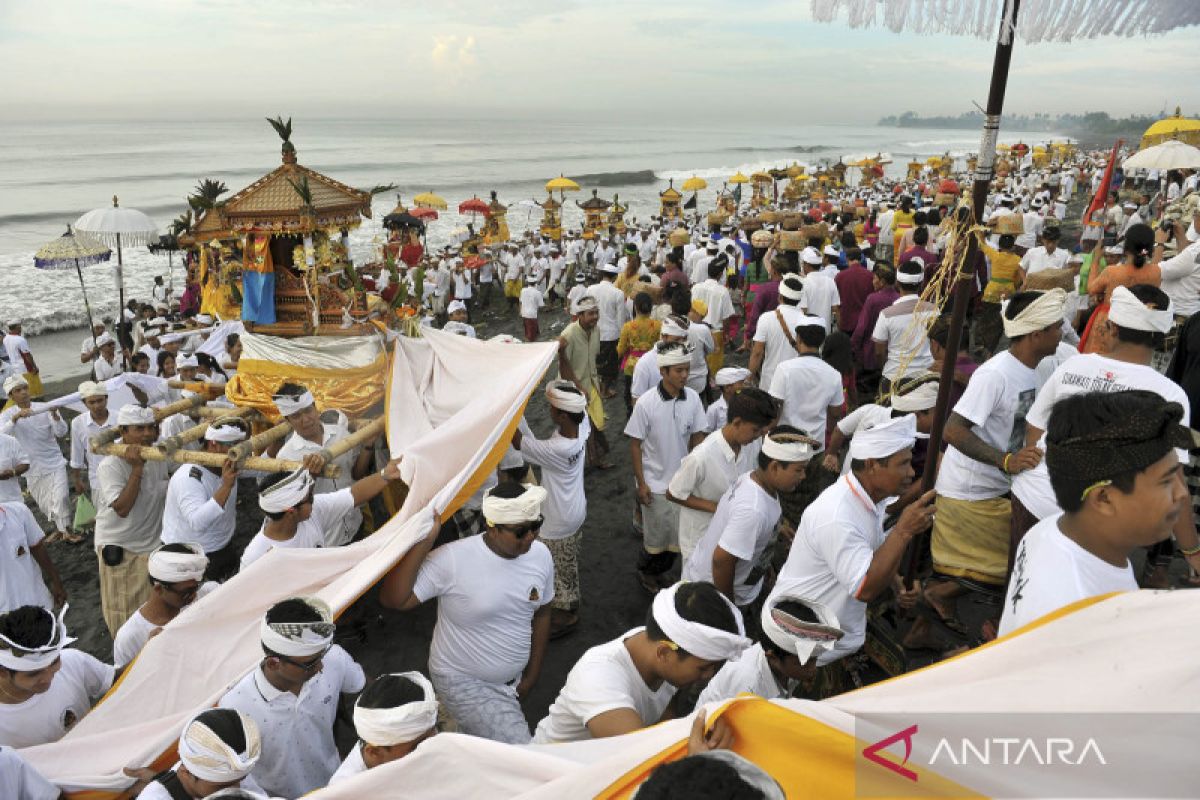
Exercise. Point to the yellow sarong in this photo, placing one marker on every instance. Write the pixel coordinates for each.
(595, 408)
(716, 359)
(971, 538)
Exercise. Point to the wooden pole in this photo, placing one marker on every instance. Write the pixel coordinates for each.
(260, 441)
(364, 434)
(179, 407)
(207, 459)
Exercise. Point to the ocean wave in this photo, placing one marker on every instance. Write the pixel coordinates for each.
(68, 217)
(800, 148)
(620, 178)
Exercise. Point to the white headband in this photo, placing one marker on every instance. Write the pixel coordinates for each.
(564, 396)
(709, 644)
(801, 637)
(210, 758)
(399, 725)
(20, 658)
(1043, 312)
(911, 278)
(727, 376)
(585, 303)
(922, 398)
(14, 382)
(90, 389)
(789, 288)
(187, 362)
(811, 256)
(135, 415)
(671, 327)
(289, 405)
(885, 438)
(226, 433)
(105, 338)
(171, 567)
(672, 354)
(300, 638)
(1127, 311)
(514, 510)
(456, 305)
(792, 449)
(288, 493)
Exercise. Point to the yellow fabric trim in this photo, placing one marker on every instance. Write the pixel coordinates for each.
(353, 390)
(489, 465)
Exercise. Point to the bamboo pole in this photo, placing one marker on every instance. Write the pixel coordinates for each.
(173, 443)
(179, 407)
(363, 435)
(260, 441)
(202, 387)
(207, 459)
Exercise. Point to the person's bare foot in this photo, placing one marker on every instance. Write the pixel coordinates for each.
(924, 636)
(942, 597)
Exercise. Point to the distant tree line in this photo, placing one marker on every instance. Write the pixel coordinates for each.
(1093, 122)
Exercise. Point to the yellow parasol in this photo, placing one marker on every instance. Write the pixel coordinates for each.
(694, 184)
(1174, 127)
(561, 184)
(430, 200)
(802, 177)
(739, 178)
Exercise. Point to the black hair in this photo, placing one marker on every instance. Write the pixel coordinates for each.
(921, 237)
(697, 778)
(509, 491)
(291, 389)
(390, 691)
(681, 302)
(1139, 242)
(764, 461)
(231, 340)
(675, 257)
(700, 602)
(811, 335)
(939, 331)
(1082, 414)
(1018, 303)
(205, 360)
(933, 216)
(162, 357)
(1006, 241)
(138, 358)
(884, 271)
(292, 610)
(918, 220)
(794, 284)
(642, 303)
(28, 626)
(837, 352)
(716, 267)
(753, 405)
(226, 723)
(1146, 295)
(1051, 234)
(853, 254)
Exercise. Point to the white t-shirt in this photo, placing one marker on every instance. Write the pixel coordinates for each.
(192, 514)
(1088, 372)
(21, 583)
(1037, 259)
(20, 781)
(748, 673)
(907, 342)
(485, 608)
(11, 456)
(83, 428)
(717, 414)
(45, 717)
(716, 297)
(138, 530)
(1181, 280)
(15, 345)
(562, 461)
(995, 402)
(777, 348)
(135, 632)
(744, 527)
(820, 296)
(38, 435)
(352, 765)
(707, 472)
(700, 337)
(611, 303)
(645, 375)
(808, 387)
(664, 425)
(297, 447)
(531, 300)
(328, 511)
(603, 679)
(1051, 571)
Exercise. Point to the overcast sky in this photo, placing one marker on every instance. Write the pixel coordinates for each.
(225, 58)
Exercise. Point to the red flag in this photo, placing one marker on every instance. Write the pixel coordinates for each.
(1100, 201)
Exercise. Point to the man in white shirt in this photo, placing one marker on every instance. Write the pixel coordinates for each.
(561, 458)
(613, 315)
(392, 717)
(44, 688)
(1181, 273)
(821, 297)
(18, 779)
(13, 463)
(494, 592)
(774, 335)
(986, 438)
(107, 365)
(901, 343)
(697, 263)
(720, 306)
(531, 301)
(25, 562)
(129, 502)
(176, 581)
(735, 552)
(884, 221)
(217, 750)
(294, 696)
(83, 461)
(1114, 469)
(38, 433)
(20, 358)
(841, 557)
(1048, 255)
(201, 504)
(666, 423)
(604, 255)
(625, 685)
(88, 349)
(557, 275)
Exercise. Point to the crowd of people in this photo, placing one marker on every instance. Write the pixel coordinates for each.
(777, 397)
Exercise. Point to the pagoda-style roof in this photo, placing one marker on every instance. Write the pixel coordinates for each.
(272, 205)
(495, 206)
(550, 203)
(210, 226)
(671, 193)
(594, 203)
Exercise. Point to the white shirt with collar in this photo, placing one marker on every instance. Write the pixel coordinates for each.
(12, 455)
(1181, 280)
(907, 344)
(777, 347)
(808, 387)
(298, 751)
(107, 369)
(664, 425)
(748, 673)
(297, 447)
(835, 542)
(192, 513)
(323, 528)
(38, 435)
(1038, 259)
(613, 315)
(83, 428)
(706, 472)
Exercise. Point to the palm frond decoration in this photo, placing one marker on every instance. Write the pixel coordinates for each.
(284, 129)
(207, 191)
(302, 189)
(182, 223)
(380, 188)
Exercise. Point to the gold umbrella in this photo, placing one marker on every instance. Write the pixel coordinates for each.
(430, 200)
(694, 184)
(561, 184)
(739, 178)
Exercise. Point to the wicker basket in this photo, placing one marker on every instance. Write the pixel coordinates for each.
(751, 224)
(817, 231)
(1013, 224)
(679, 237)
(1050, 279)
(717, 218)
(769, 217)
(761, 239)
(791, 221)
(792, 241)
(944, 199)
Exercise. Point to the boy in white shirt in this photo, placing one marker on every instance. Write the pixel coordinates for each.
(176, 581)
(1113, 465)
(394, 715)
(530, 301)
(577, 291)
(729, 381)
(217, 750)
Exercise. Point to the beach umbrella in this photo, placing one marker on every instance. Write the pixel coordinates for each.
(739, 178)
(694, 184)
(473, 206)
(1170, 154)
(405, 219)
(426, 214)
(430, 200)
(72, 249)
(117, 226)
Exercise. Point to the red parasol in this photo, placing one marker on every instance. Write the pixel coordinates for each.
(474, 262)
(948, 187)
(473, 206)
(424, 213)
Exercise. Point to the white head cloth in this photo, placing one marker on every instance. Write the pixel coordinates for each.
(674, 326)
(224, 432)
(204, 319)
(791, 287)
(1127, 311)
(399, 725)
(289, 404)
(209, 757)
(787, 447)
(14, 382)
(709, 644)
(727, 376)
(171, 567)
(1043, 312)
(133, 414)
(456, 305)
(909, 278)
(300, 639)
(458, 328)
(585, 303)
(514, 510)
(922, 398)
(884, 439)
(670, 354)
(803, 639)
(810, 255)
(89, 389)
(105, 338)
(187, 362)
(564, 396)
(30, 659)
(288, 493)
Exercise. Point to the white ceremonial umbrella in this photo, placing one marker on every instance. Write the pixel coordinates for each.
(1168, 155)
(118, 226)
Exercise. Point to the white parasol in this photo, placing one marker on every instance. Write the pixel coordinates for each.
(1168, 155)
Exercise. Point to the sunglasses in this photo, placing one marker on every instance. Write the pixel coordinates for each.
(521, 531)
(307, 666)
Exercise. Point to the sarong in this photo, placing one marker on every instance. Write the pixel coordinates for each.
(660, 525)
(595, 408)
(123, 588)
(49, 490)
(482, 708)
(1090, 341)
(35, 384)
(970, 538)
(531, 329)
(565, 552)
(513, 289)
(716, 359)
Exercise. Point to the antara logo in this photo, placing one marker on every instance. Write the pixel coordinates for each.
(872, 753)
